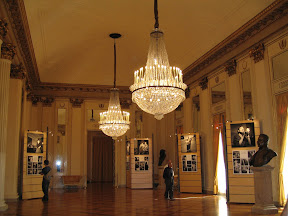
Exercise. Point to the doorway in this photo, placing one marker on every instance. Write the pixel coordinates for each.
(220, 183)
(100, 157)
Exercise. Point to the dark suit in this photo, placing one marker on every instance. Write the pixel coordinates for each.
(168, 175)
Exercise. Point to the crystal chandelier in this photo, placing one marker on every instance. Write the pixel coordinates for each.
(113, 122)
(158, 88)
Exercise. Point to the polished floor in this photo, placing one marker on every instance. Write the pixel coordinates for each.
(103, 199)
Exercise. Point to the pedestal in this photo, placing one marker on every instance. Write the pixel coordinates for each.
(160, 176)
(263, 191)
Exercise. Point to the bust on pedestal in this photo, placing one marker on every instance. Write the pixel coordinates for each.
(262, 177)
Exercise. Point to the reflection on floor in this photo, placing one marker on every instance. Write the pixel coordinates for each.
(103, 199)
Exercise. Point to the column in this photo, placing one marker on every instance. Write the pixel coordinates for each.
(206, 138)
(13, 132)
(7, 54)
(263, 112)
(187, 121)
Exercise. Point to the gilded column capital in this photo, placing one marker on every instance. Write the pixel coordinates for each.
(125, 103)
(3, 28)
(47, 101)
(8, 51)
(257, 53)
(33, 98)
(204, 83)
(76, 102)
(230, 67)
(17, 71)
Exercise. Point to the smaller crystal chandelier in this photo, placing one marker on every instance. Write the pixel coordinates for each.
(158, 89)
(113, 122)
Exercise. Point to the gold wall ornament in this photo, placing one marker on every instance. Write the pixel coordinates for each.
(3, 28)
(230, 67)
(282, 44)
(204, 83)
(17, 71)
(257, 53)
(125, 103)
(76, 102)
(8, 51)
(47, 101)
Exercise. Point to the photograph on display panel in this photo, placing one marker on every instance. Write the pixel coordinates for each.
(188, 143)
(241, 160)
(189, 163)
(34, 165)
(141, 163)
(35, 143)
(242, 135)
(141, 147)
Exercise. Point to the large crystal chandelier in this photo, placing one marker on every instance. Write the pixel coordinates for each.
(158, 88)
(113, 122)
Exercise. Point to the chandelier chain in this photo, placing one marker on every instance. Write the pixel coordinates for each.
(156, 26)
(114, 64)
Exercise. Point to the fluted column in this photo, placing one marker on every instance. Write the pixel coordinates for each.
(7, 54)
(13, 131)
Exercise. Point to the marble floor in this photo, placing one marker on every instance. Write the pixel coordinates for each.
(103, 199)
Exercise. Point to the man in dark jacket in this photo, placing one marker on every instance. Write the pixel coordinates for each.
(46, 172)
(168, 175)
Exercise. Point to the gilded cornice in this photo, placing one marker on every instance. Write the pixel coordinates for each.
(76, 102)
(17, 71)
(8, 51)
(257, 53)
(230, 67)
(46, 101)
(17, 16)
(204, 83)
(3, 28)
(274, 12)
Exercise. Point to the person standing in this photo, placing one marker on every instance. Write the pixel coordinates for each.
(46, 172)
(168, 175)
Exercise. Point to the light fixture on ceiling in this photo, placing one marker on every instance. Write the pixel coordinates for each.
(158, 88)
(114, 122)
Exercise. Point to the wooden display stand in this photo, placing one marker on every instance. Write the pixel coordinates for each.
(33, 163)
(141, 164)
(240, 174)
(189, 163)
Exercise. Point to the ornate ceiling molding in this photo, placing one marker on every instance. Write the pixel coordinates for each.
(46, 101)
(8, 51)
(257, 53)
(17, 71)
(230, 67)
(271, 14)
(3, 28)
(17, 15)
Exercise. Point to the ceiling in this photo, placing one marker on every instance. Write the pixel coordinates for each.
(72, 44)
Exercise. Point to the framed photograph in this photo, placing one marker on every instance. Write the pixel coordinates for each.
(188, 143)
(35, 143)
(242, 135)
(241, 160)
(34, 165)
(189, 163)
(141, 147)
